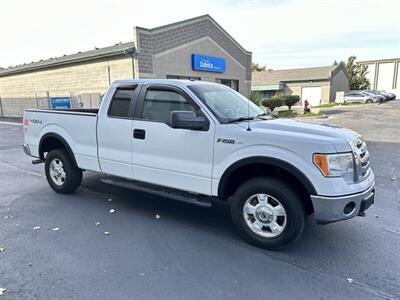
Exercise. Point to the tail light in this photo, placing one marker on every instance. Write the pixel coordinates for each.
(25, 124)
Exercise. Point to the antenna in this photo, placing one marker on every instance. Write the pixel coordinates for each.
(248, 115)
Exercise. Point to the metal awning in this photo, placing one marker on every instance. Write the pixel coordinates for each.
(268, 87)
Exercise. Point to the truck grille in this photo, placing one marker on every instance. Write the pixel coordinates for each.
(361, 156)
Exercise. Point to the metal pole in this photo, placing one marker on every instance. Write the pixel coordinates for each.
(37, 104)
(71, 99)
(109, 75)
(48, 99)
(133, 67)
(1, 108)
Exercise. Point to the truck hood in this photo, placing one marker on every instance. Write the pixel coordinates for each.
(341, 138)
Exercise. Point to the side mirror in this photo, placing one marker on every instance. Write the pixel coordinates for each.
(187, 120)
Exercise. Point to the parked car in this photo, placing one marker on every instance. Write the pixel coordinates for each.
(361, 97)
(385, 95)
(389, 95)
(202, 142)
(379, 98)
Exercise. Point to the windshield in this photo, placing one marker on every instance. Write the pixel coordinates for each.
(226, 104)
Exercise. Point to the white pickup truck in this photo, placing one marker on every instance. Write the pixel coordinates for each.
(195, 141)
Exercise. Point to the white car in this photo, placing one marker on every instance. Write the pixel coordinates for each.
(377, 97)
(201, 142)
(359, 97)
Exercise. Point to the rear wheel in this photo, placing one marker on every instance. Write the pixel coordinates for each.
(268, 213)
(61, 173)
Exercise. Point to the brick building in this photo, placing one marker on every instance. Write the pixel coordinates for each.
(197, 48)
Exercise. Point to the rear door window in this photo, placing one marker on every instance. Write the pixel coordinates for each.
(121, 102)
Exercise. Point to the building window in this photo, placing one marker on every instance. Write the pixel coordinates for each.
(182, 77)
(232, 83)
(268, 94)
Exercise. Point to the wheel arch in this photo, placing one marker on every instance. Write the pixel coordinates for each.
(262, 166)
(51, 141)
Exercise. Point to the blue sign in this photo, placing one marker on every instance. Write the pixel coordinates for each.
(60, 102)
(208, 63)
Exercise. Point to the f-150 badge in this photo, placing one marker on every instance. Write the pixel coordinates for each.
(227, 141)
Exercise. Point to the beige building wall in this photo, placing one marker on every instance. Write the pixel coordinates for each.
(292, 90)
(325, 94)
(32, 89)
(295, 88)
(84, 77)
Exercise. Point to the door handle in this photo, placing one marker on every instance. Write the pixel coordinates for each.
(139, 134)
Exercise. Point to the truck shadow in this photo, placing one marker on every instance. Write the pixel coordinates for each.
(217, 220)
(333, 251)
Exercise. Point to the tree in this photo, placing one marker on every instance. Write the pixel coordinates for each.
(291, 100)
(255, 67)
(357, 74)
(274, 102)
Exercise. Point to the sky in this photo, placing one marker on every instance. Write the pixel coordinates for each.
(280, 33)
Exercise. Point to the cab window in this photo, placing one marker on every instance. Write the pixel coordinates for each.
(120, 103)
(158, 105)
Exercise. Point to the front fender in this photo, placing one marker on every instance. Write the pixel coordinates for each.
(266, 154)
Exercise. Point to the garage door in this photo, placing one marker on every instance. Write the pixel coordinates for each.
(312, 94)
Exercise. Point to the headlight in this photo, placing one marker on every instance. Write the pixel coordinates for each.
(336, 165)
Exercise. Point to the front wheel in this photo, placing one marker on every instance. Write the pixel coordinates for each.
(268, 213)
(61, 173)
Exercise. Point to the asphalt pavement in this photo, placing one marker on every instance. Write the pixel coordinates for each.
(162, 249)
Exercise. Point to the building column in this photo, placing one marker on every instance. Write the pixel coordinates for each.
(395, 74)
(376, 76)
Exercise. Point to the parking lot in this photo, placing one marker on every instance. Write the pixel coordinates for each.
(56, 246)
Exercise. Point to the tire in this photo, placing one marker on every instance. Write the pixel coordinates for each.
(277, 192)
(61, 173)
(368, 101)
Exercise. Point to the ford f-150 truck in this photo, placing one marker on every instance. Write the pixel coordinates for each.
(201, 142)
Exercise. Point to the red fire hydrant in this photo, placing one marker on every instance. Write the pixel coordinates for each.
(306, 106)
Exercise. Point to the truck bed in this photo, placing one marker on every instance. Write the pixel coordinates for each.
(76, 126)
(94, 111)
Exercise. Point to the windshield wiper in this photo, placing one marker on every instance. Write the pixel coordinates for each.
(240, 119)
(264, 114)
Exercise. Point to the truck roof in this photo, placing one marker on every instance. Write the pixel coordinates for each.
(176, 82)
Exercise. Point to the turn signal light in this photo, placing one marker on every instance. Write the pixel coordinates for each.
(321, 161)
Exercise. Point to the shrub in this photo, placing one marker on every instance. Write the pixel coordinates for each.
(291, 100)
(256, 97)
(274, 102)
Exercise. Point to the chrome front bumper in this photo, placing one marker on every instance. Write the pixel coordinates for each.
(332, 209)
